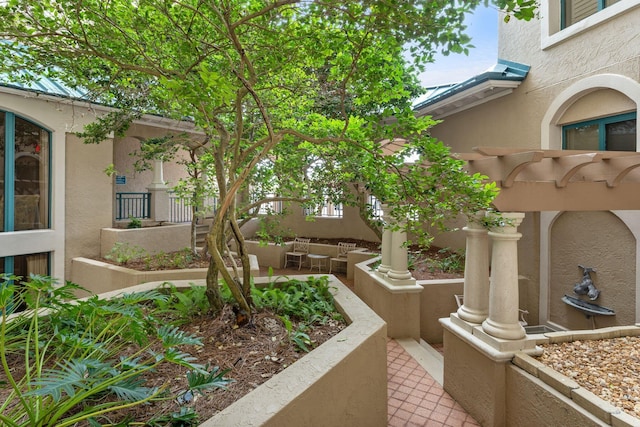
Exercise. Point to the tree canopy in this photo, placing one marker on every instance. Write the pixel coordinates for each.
(283, 83)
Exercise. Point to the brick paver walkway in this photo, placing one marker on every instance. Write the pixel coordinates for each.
(415, 398)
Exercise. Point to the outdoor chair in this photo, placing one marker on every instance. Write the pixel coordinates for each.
(299, 253)
(343, 250)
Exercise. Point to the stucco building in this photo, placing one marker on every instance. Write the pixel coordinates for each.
(554, 124)
(55, 196)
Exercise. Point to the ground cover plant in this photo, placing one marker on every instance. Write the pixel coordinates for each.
(95, 362)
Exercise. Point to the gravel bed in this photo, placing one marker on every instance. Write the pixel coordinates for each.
(609, 368)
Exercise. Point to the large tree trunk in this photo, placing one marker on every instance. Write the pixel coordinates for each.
(217, 245)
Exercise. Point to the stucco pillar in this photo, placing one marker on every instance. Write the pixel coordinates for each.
(385, 247)
(399, 273)
(475, 307)
(503, 293)
(159, 194)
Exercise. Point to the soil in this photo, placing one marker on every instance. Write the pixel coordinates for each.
(252, 353)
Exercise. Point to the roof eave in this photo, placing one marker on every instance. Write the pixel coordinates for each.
(470, 97)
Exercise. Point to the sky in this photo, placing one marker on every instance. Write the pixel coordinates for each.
(482, 27)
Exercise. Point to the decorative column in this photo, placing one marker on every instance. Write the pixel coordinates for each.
(475, 307)
(399, 272)
(503, 294)
(159, 194)
(385, 249)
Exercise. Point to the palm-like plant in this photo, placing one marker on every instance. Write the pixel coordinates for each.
(78, 360)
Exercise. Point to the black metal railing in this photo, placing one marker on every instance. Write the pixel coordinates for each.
(133, 205)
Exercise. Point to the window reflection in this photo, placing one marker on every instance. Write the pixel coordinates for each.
(31, 176)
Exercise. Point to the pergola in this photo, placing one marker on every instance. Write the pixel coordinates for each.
(559, 180)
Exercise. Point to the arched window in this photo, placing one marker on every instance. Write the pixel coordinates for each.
(24, 174)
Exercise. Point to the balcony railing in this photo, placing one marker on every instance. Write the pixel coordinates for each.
(180, 209)
(133, 205)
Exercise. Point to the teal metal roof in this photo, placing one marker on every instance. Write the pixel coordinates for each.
(43, 85)
(503, 70)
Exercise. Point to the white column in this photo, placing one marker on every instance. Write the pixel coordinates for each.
(385, 249)
(475, 307)
(159, 194)
(503, 294)
(400, 258)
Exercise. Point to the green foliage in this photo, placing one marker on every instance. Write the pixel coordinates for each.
(122, 253)
(78, 356)
(298, 336)
(134, 223)
(182, 304)
(308, 301)
(452, 261)
(186, 417)
(207, 379)
(309, 86)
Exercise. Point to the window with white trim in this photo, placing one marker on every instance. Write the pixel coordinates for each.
(558, 18)
(613, 133)
(573, 11)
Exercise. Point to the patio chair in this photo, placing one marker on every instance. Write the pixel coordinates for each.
(343, 250)
(299, 253)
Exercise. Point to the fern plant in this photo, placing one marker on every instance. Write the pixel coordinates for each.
(78, 362)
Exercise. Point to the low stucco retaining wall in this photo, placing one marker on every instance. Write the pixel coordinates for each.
(514, 389)
(399, 306)
(437, 300)
(165, 238)
(410, 311)
(533, 387)
(343, 382)
(99, 277)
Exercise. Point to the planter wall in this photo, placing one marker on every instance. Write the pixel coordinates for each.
(514, 389)
(98, 277)
(399, 306)
(437, 300)
(166, 238)
(343, 382)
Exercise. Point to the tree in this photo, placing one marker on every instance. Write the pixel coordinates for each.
(253, 76)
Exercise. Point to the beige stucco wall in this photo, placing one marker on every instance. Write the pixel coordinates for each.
(349, 226)
(89, 205)
(593, 239)
(124, 160)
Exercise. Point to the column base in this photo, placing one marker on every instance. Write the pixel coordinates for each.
(473, 316)
(507, 331)
(399, 275)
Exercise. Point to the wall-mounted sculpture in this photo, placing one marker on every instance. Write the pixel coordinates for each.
(586, 286)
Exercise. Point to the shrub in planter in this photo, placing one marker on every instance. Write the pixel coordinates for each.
(67, 361)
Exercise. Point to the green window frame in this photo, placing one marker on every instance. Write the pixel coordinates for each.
(573, 11)
(16, 189)
(595, 134)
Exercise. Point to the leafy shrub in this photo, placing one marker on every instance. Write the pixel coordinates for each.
(123, 253)
(134, 223)
(78, 362)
